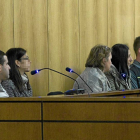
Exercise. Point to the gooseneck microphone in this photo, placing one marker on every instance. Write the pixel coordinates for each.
(70, 70)
(37, 71)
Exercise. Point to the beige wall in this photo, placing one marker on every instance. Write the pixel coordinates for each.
(60, 33)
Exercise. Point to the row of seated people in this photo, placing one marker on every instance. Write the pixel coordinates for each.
(13, 79)
(107, 69)
(111, 69)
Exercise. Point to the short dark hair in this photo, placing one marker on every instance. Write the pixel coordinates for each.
(136, 44)
(96, 55)
(2, 57)
(120, 57)
(12, 55)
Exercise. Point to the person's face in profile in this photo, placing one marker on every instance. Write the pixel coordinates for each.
(107, 63)
(5, 69)
(24, 64)
(130, 59)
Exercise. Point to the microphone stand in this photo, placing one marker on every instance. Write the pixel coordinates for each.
(70, 70)
(69, 92)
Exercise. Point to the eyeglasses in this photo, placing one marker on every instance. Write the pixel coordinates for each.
(27, 58)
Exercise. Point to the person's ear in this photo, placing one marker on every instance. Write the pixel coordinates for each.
(17, 63)
(139, 50)
(104, 60)
(0, 67)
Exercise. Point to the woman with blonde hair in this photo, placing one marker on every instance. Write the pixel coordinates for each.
(98, 62)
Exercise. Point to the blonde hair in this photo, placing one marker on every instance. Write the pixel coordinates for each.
(96, 56)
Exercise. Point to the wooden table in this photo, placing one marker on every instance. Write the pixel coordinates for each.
(70, 118)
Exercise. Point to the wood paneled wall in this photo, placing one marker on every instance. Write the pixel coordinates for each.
(60, 33)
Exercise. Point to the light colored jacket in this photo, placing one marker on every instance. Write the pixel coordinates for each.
(3, 93)
(116, 81)
(95, 79)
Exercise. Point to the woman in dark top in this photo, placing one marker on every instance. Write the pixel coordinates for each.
(18, 83)
(119, 76)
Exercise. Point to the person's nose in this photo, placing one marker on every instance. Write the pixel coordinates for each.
(131, 59)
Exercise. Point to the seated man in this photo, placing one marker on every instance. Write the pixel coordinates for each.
(4, 72)
(135, 67)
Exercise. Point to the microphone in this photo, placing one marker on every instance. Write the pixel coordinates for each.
(69, 92)
(35, 72)
(123, 75)
(70, 70)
